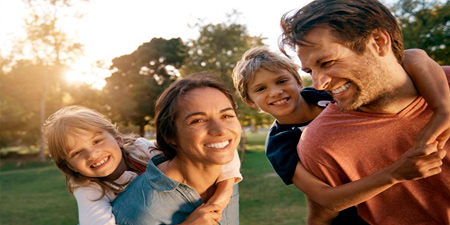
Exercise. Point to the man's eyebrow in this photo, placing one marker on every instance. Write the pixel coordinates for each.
(202, 113)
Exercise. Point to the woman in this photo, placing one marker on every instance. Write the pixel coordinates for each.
(198, 131)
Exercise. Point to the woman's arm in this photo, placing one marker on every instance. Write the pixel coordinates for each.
(430, 80)
(414, 164)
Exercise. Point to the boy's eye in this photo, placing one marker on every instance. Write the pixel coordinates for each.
(75, 153)
(282, 81)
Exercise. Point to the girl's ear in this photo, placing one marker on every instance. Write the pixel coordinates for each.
(250, 103)
(119, 141)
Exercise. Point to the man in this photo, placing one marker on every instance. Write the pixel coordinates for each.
(353, 49)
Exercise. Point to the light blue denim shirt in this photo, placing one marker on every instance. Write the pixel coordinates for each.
(153, 198)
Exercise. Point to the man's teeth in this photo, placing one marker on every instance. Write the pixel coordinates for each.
(341, 89)
(218, 145)
(100, 163)
(280, 102)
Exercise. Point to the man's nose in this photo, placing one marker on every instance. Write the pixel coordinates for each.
(320, 80)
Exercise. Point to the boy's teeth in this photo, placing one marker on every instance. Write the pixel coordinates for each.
(341, 89)
(218, 145)
(100, 163)
(280, 102)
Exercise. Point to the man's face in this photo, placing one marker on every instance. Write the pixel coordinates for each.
(355, 81)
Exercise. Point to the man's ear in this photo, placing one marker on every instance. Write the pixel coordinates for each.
(382, 42)
(250, 103)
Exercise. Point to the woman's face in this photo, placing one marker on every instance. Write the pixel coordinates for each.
(208, 130)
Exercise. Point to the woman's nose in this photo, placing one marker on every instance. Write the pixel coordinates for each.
(216, 127)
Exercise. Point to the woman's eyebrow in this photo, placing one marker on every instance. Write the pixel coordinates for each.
(202, 113)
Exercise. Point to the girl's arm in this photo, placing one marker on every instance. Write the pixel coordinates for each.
(228, 178)
(431, 81)
(414, 164)
(91, 211)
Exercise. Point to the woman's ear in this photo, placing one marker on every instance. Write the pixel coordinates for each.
(382, 41)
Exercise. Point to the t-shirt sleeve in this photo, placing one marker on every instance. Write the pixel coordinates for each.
(91, 211)
(281, 151)
(231, 170)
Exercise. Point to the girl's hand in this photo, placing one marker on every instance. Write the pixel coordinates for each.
(418, 163)
(437, 129)
(204, 214)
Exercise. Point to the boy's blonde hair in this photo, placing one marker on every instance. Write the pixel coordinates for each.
(65, 122)
(258, 58)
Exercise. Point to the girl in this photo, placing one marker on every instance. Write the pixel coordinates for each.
(99, 161)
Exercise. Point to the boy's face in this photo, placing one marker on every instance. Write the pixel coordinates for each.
(275, 93)
(93, 154)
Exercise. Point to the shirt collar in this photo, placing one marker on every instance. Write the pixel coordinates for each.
(158, 179)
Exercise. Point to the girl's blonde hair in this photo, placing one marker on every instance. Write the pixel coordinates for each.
(65, 122)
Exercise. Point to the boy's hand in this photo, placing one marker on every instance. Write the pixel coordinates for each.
(418, 163)
(204, 214)
(437, 129)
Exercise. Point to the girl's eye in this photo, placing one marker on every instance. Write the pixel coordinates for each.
(259, 89)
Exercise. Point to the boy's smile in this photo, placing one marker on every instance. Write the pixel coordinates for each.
(276, 93)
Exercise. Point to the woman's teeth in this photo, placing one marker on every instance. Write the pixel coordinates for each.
(218, 145)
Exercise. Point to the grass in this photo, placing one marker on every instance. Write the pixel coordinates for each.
(36, 193)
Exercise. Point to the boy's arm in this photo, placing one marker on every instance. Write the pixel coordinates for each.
(431, 81)
(413, 164)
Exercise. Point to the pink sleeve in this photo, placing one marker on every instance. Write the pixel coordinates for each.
(231, 170)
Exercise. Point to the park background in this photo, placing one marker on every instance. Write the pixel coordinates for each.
(113, 57)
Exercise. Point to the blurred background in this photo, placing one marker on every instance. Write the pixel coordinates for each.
(118, 56)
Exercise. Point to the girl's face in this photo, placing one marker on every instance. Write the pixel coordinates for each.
(93, 154)
(208, 130)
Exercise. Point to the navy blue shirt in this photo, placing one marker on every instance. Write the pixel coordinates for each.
(281, 150)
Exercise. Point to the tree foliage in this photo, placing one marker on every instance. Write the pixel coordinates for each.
(217, 50)
(426, 25)
(140, 77)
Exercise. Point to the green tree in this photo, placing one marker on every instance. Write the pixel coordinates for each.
(39, 61)
(426, 25)
(140, 77)
(217, 49)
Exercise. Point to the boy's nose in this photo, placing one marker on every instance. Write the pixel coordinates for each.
(275, 92)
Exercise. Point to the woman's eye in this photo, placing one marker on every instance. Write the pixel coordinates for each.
(97, 141)
(228, 116)
(197, 121)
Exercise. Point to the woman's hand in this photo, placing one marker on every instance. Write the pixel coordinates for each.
(204, 214)
(417, 163)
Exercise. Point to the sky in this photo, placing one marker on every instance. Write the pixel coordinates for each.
(111, 28)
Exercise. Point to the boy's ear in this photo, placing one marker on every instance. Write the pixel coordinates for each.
(250, 103)
(382, 41)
